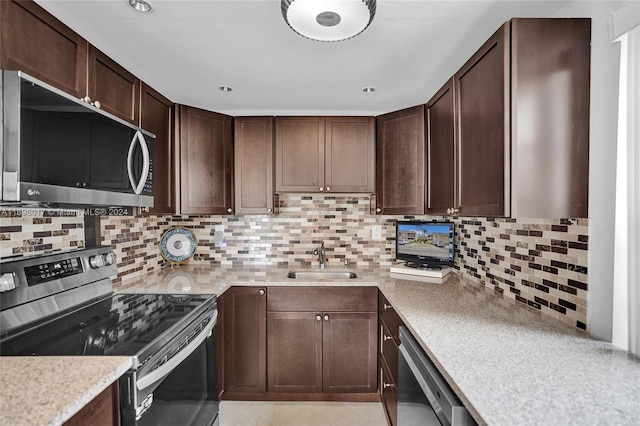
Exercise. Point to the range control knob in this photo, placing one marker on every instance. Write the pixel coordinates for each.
(96, 261)
(110, 258)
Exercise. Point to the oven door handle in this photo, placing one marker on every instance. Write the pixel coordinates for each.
(166, 368)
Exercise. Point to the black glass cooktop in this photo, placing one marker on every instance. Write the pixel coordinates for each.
(122, 324)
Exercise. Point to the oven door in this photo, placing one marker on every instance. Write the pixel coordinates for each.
(181, 390)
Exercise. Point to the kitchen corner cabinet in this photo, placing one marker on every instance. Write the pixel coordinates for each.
(103, 410)
(400, 161)
(156, 116)
(206, 160)
(117, 90)
(245, 332)
(322, 339)
(522, 123)
(325, 154)
(34, 41)
(253, 165)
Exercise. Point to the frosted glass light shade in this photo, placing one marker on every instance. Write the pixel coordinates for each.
(328, 20)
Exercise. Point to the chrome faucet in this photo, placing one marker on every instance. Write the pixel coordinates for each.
(322, 258)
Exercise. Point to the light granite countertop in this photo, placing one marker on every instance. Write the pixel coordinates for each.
(48, 391)
(508, 364)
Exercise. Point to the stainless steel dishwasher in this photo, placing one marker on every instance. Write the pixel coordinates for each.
(424, 398)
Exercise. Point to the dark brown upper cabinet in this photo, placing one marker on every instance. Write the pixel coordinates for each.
(482, 95)
(522, 111)
(325, 154)
(206, 160)
(400, 160)
(33, 41)
(441, 161)
(117, 90)
(156, 116)
(253, 159)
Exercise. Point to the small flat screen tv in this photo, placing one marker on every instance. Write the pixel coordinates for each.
(423, 244)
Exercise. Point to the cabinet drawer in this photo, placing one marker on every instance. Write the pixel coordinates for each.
(389, 394)
(389, 350)
(390, 317)
(322, 299)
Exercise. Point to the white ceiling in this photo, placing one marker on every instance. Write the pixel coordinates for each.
(186, 49)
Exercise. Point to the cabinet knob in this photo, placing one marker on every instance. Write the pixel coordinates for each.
(326, 317)
(328, 188)
(449, 210)
(261, 292)
(318, 317)
(229, 210)
(455, 211)
(86, 99)
(385, 337)
(387, 385)
(321, 189)
(378, 210)
(269, 210)
(385, 306)
(97, 104)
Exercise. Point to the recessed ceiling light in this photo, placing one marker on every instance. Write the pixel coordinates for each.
(225, 88)
(140, 5)
(369, 89)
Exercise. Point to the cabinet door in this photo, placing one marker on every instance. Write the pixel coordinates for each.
(253, 158)
(300, 154)
(245, 332)
(350, 154)
(156, 116)
(206, 151)
(440, 151)
(482, 91)
(294, 351)
(33, 41)
(389, 393)
(550, 117)
(349, 351)
(117, 90)
(400, 162)
(103, 410)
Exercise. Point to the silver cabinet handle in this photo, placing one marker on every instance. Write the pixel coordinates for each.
(321, 189)
(378, 210)
(269, 210)
(261, 292)
(387, 385)
(326, 317)
(328, 188)
(229, 210)
(385, 337)
(385, 306)
(318, 317)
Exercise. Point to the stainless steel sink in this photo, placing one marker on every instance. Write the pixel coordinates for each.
(322, 275)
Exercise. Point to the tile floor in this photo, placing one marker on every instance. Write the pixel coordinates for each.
(284, 413)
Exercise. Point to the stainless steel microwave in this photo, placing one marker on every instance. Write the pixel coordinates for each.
(57, 149)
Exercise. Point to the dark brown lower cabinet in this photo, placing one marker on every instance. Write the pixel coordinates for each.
(389, 394)
(390, 323)
(245, 333)
(103, 410)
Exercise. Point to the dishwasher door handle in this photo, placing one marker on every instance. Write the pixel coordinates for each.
(166, 368)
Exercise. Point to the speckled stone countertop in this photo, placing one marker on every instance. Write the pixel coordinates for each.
(48, 391)
(508, 364)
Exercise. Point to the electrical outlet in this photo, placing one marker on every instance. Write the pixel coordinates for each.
(376, 232)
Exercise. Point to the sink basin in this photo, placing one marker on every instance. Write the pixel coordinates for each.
(322, 275)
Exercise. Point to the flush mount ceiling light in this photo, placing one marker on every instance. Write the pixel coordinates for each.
(140, 5)
(328, 20)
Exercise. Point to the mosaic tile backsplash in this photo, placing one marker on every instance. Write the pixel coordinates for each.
(541, 263)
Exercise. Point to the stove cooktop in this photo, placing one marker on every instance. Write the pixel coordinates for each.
(121, 324)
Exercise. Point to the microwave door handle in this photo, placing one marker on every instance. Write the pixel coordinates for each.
(166, 368)
(139, 186)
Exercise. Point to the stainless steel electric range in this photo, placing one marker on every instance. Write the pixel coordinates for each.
(63, 304)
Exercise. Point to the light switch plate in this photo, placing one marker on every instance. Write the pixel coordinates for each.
(376, 232)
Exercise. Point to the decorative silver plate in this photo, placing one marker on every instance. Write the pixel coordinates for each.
(178, 245)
